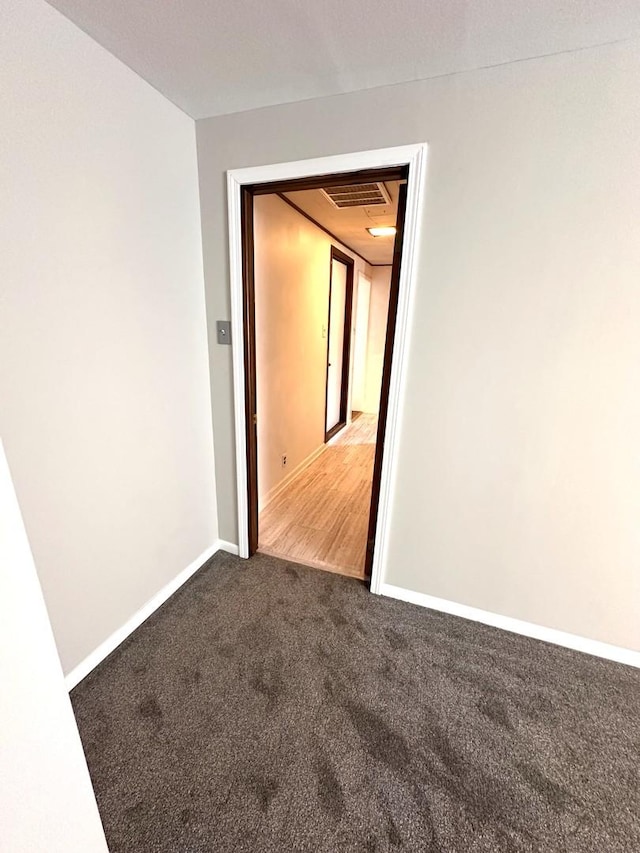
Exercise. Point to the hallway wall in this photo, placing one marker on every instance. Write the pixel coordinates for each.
(377, 336)
(517, 484)
(292, 268)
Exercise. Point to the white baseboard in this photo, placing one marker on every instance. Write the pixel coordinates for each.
(105, 648)
(516, 626)
(279, 487)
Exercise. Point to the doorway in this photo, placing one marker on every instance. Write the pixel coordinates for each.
(315, 452)
(405, 165)
(338, 342)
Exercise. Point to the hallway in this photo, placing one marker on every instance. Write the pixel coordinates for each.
(321, 517)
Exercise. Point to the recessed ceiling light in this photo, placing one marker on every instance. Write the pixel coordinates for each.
(382, 231)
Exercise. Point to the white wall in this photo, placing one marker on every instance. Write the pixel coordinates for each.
(377, 336)
(104, 385)
(517, 488)
(46, 798)
(362, 296)
(292, 269)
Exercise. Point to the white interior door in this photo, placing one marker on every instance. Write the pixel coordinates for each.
(46, 797)
(337, 308)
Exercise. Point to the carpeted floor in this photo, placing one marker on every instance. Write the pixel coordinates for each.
(270, 707)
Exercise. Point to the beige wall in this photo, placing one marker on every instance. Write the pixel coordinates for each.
(517, 488)
(292, 268)
(104, 383)
(377, 335)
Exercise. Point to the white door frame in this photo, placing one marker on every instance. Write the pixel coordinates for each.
(415, 157)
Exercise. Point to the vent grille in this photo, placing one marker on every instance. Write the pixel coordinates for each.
(357, 195)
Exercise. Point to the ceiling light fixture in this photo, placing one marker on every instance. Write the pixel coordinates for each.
(382, 231)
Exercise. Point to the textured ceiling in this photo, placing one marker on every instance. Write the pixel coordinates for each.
(218, 56)
(350, 225)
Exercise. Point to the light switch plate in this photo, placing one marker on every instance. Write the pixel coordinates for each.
(223, 331)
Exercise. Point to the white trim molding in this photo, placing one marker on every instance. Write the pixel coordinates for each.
(112, 642)
(229, 547)
(515, 626)
(413, 156)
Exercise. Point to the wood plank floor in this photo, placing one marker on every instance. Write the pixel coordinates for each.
(321, 517)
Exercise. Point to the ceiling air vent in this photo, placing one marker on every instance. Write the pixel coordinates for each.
(357, 195)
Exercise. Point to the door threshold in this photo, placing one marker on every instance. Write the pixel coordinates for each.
(346, 572)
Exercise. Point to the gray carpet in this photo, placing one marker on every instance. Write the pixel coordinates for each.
(270, 707)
